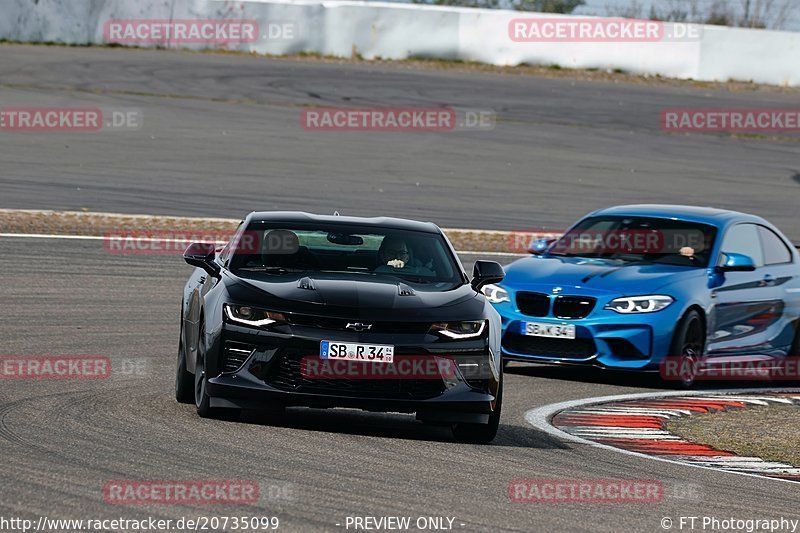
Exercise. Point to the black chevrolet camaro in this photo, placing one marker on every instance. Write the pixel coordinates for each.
(330, 311)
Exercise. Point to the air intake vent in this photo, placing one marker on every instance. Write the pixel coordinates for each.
(235, 354)
(546, 347)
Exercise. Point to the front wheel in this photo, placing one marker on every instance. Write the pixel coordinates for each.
(201, 398)
(481, 433)
(687, 346)
(183, 378)
(792, 362)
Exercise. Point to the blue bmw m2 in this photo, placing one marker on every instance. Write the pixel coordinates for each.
(628, 286)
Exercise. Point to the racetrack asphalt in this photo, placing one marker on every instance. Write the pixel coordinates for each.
(61, 441)
(221, 136)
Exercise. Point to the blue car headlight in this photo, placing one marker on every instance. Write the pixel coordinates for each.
(640, 304)
(495, 294)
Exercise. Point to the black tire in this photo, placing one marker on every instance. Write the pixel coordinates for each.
(481, 433)
(793, 360)
(688, 344)
(184, 380)
(794, 351)
(202, 400)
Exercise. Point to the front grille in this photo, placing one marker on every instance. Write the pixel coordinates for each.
(286, 375)
(546, 347)
(533, 303)
(340, 324)
(234, 355)
(573, 306)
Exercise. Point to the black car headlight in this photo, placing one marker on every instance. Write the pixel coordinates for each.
(470, 329)
(640, 304)
(495, 293)
(252, 316)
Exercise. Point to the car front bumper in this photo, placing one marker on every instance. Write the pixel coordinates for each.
(265, 369)
(604, 339)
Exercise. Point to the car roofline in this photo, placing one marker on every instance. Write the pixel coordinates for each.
(702, 215)
(302, 217)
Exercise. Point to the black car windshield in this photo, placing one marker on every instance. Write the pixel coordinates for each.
(308, 249)
(638, 240)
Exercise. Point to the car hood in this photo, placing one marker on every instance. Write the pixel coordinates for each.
(367, 297)
(593, 275)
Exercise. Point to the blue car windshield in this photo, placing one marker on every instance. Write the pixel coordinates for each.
(639, 240)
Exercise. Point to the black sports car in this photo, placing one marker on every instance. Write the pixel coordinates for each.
(330, 311)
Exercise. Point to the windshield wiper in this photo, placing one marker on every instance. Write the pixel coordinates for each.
(628, 264)
(271, 269)
(638, 262)
(587, 255)
(413, 279)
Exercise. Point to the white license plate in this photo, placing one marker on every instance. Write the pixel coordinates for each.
(355, 351)
(555, 331)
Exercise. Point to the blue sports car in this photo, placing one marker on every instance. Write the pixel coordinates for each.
(628, 286)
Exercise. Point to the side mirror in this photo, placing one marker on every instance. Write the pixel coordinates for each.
(485, 272)
(539, 246)
(201, 254)
(736, 263)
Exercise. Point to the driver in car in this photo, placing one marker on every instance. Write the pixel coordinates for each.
(395, 254)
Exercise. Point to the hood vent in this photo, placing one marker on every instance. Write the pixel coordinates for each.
(404, 290)
(306, 283)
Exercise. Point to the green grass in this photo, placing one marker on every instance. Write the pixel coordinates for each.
(767, 432)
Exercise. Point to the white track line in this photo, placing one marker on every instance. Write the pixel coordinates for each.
(49, 236)
(101, 238)
(540, 417)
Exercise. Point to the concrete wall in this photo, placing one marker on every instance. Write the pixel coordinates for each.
(400, 31)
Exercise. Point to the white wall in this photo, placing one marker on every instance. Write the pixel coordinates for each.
(399, 31)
